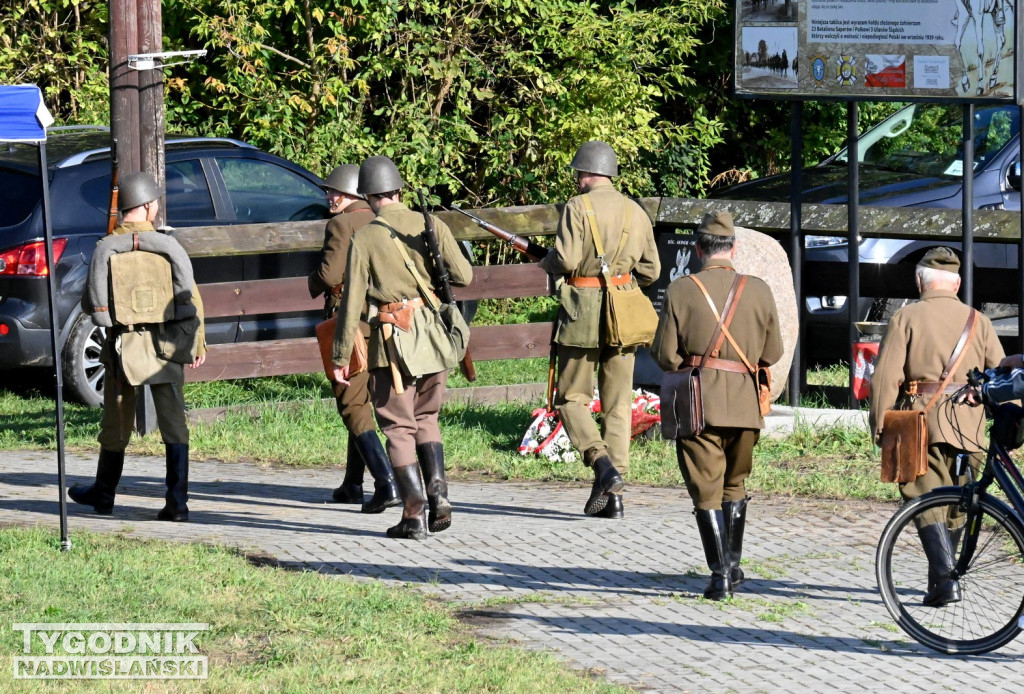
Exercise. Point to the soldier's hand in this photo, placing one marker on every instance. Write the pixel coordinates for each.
(341, 374)
(199, 361)
(970, 397)
(1013, 361)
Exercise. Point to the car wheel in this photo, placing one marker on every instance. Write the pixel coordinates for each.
(83, 371)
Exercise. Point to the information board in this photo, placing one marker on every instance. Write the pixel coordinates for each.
(877, 49)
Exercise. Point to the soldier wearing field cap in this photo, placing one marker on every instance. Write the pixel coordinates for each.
(716, 463)
(918, 345)
(132, 360)
(351, 213)
(632, 258)
(388, 263)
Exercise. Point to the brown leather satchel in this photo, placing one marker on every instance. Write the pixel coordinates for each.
(325, 339)
(905, 432)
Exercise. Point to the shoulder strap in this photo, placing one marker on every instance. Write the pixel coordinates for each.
(956, 357)
(598, 243)
(727, 313)
(428, 296)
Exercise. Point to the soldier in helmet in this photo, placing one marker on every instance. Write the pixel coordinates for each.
(129, 356)
(364, 449)
(389, 267)
(627, 236)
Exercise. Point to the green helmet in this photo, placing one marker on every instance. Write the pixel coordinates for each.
(596, 157)
(135, 189)
(344, 179)
(379, 175)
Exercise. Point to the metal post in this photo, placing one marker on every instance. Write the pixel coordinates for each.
(967, 216)
(853, 229)
(796, 243)
(1020, 241)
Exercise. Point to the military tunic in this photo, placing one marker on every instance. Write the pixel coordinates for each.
(716, 463)
(377, 273)
(327, 278)
(578, 329)
(917, 345)
(120, 397)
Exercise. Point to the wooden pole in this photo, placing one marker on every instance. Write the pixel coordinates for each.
(151, 99)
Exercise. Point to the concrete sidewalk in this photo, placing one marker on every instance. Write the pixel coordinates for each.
(523, 563)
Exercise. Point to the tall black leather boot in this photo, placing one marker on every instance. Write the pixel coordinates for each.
(938, 547)
(431, 457)
(413, 525)
(176, 508)
(711, 525)
(612, 508)
(735, 514)
(385, 492)
(351, 489)
(100, 494)
(607, 481)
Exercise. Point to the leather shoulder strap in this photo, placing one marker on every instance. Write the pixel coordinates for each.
(956, 357)
(726, 316)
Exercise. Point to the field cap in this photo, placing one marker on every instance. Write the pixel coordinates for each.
(941, 258)
(717, 224)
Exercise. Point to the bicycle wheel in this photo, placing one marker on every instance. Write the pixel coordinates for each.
(988, 615)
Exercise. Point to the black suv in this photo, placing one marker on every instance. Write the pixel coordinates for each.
(209, 182)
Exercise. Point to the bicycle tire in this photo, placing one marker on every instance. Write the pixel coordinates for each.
(988, 615)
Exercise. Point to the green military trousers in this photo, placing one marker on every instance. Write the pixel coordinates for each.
(941, 473)
(614, 366)
(119, 400)
(716, 464)
(407, 419)
(354, 404)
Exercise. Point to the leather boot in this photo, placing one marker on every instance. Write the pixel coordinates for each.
(612, 508)
(385, 492)
(938, 547)
(413, 525)
(431, 457)
(711, 525)
(176, 508)
(735, 514)
(607, 481)
(351, 489)
(100, 494)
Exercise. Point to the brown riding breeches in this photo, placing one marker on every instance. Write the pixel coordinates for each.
(354, 404)
(408, 419)
(715, 465)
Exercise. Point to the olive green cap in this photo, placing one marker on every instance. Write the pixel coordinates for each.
(717, 224)
(941, 258)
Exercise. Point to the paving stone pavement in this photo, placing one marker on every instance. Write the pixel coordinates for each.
(621, 598)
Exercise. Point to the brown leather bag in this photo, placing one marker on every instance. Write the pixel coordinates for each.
(325, 339)
(905, 432)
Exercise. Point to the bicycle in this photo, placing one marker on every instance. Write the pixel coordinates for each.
(976, 591)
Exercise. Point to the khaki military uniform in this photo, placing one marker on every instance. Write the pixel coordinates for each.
(376, 272)
(716, 463)
(353, 400)
(120, 396)
(578, 330)
(916, 347)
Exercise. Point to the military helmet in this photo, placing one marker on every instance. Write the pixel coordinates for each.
(135, 189)
(379, 175)
(344, 179)
(596, 157)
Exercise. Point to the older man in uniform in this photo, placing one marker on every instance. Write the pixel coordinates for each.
(139, 203)
(716, 463)
(388, 261)
(632, 258)
(364, 449)
(917, 346)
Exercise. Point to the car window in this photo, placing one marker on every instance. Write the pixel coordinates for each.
(19, 195)
(263, 191)
(188, 196)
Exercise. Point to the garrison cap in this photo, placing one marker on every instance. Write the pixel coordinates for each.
(717, 224)
(941, 258)
(136, 189)
(596, 157)
(378, 175)
(344, 179)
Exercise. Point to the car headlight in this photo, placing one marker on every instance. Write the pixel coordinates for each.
(824, 241)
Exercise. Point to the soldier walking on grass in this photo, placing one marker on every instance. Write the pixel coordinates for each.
(388, 266)
(716, 462)
(364, 448)
(625, 231)
(135, 351)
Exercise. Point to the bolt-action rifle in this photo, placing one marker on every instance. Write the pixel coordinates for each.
(112, 215)
(442, 278)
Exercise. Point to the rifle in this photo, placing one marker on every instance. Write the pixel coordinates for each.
(442, 277)
(525, 246)
(112, 214)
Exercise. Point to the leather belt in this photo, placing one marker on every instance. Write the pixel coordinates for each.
(716, 364)
(396, 306)
(595, 282)
(930, 387)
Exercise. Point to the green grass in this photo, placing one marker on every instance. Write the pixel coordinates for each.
(271, 629)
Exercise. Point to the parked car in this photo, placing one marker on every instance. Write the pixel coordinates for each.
(911, 159)
(210, 181)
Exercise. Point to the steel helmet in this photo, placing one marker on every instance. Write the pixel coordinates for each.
(596, 157)
(378, 175)
(344, 179)
(135, 189)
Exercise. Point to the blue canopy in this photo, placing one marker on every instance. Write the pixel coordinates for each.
(23, 115)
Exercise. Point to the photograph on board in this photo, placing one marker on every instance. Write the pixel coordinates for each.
(769, 59)
(768, 10)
